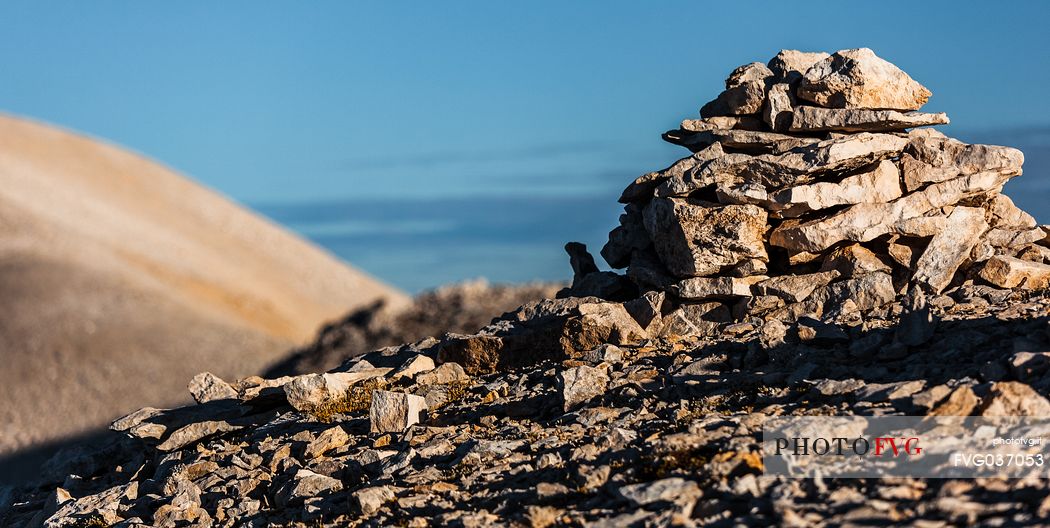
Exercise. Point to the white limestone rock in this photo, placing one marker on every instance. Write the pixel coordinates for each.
(857, 78)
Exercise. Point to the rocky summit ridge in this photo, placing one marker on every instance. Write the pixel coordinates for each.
(817, 254)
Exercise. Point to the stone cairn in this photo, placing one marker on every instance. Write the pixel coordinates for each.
(812, 191)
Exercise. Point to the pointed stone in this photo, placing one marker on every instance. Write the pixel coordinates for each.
(744, 93)
(857, 78)
(694, 240)
(1010, 272)
(1004, 214)
(647, 310)
(626, 239)
(206, 387)
(777, 113)
(816, 119)
(950, 248)
(416, 364)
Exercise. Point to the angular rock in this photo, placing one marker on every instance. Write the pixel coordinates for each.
(393, 412)
(937, 159)
(370, 500)
(642, 188)
(600, 323)
(880, 185)
(442, 375)
(795, 288)
(857, 78)
(778, 110)
(329, 439)
(1035, 253)
(694, 240)
(647, 310)
(194, 432)
(961, 402)
(1006, 215)
(1012, 238)
(749, 268)
(474, 353)
(865, 292)
(702, 288)
(744, 93)
(582, 384)
(816, 119)
(788, 66)
(416, 364)
(673, 490)
(1010, 272)
(950, 248)
(1013, 398)
(306, 392)
(133, 419)
(304, 485)
(580, 260)
(603, 354)
(694, 320)
(853, 260)
(206, 387)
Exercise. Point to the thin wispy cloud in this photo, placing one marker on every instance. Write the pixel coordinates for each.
(538, 152)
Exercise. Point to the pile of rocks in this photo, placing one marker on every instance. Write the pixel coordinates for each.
(805, 193)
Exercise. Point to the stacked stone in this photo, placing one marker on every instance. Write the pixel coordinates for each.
(810, 186)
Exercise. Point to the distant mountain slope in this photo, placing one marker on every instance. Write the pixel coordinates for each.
(120, 279)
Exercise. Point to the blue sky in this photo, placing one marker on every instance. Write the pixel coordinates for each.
(275, 103)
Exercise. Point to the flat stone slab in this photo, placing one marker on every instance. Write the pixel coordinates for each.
(816, 119)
